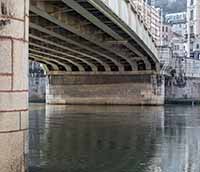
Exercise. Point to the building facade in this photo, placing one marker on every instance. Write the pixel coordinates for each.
(177, 29)
(193, 28)
(178, 45)
(178, 22)
(150, 16)
(166, 34)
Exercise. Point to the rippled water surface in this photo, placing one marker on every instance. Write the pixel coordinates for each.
(114, 139)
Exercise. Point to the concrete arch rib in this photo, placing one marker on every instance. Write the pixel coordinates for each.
(58, 36)
(116, 20)
(53, 65)
(105, 65)
(94, 20)
(78, 32)
(80, 68)
(67, 67)
(45, 68)
(92, 66)
(147, 63)
(145, 60)
(134, 62)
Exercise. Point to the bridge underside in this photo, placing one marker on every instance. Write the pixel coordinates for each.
(90, 56)
(75, 36)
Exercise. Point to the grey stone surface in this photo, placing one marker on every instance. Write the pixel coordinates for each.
(20, 65)
(5, 54)
(188, 91)
(13, 101)
(37, 88)
(12, 157)
(5, 82)
(9, 121)
(101, 89)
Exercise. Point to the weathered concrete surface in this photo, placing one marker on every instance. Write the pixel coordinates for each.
(185, 90)
(105, 89)
(13, 85)
(37, 88)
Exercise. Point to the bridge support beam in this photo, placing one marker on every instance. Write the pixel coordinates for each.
(13, 85)
(124, 89)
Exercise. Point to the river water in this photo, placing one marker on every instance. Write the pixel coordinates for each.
(114, 139)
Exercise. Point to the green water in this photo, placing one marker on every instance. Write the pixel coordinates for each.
(114, 139)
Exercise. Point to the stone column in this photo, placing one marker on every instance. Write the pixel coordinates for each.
(13, 85)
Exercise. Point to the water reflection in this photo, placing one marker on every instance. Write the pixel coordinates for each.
(114, 139)
(180, 143)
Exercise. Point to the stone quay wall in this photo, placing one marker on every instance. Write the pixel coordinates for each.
(105, 89)
(37, 89)
(182, 90)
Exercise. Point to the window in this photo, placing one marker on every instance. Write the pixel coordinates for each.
(191, 15)
(166, 29)
(174, 47)
(197, 46)
(191, 47)
(191, 2)
(191, 29)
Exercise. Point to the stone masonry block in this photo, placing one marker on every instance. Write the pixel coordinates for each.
(24, 120)
(13, 101)
(27, 3)
(5, 56)
(133, 90)
(9, 121)
(5, 82)
(26, 28)
(20, 62)
(12, 8)
(12, 152)
(26, 151)
(13, 28)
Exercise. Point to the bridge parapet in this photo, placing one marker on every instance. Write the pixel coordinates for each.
(142, 19)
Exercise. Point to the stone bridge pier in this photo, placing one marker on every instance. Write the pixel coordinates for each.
(13, 85)
(142, 88)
